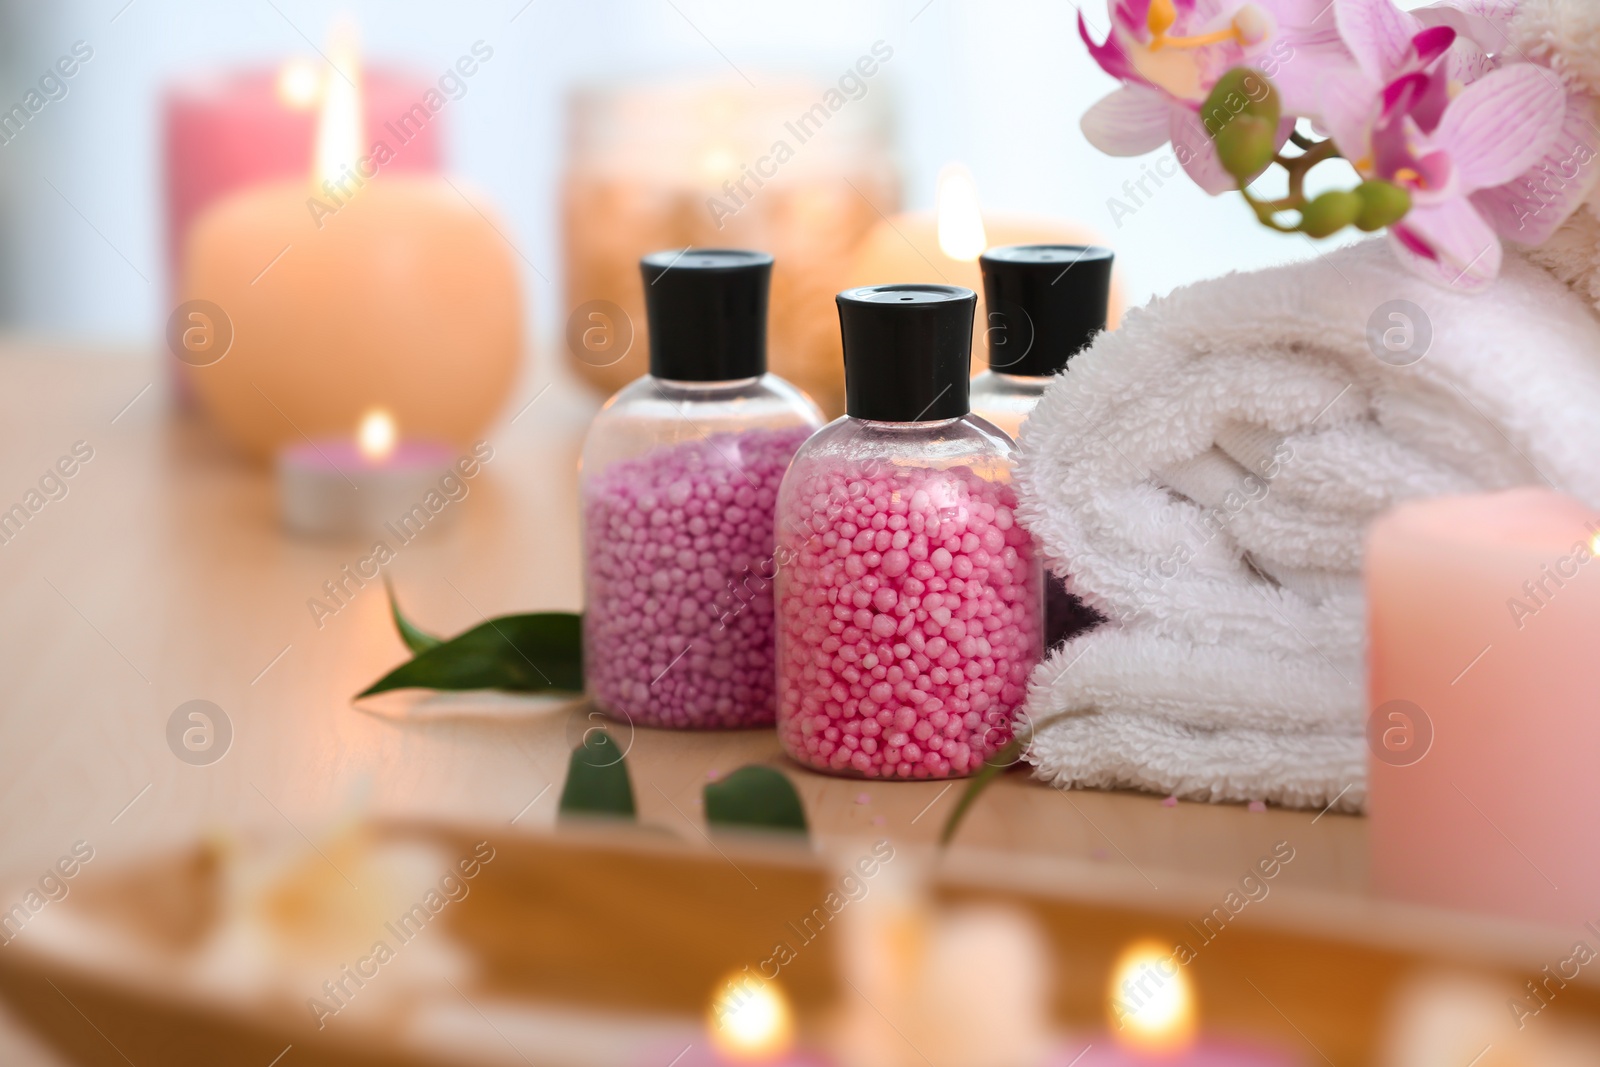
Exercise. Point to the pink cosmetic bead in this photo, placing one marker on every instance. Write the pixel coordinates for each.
(950, 685)
(678, 627)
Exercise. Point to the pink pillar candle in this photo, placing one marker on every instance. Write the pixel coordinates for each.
(1484, 615)
(224, 132)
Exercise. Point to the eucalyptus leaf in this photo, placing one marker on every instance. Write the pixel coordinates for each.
(1006, 757)
(755, 797)
(416, 639)
(597, 779)
(518, 653)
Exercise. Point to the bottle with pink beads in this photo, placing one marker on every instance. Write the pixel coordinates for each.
(678, 483)
(909, 597)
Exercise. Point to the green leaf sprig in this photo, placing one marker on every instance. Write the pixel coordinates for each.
(751, 798)
(1000, 761)
(755, 798)
(597, 780)
(537, 653)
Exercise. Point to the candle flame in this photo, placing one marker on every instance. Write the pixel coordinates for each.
(1594, 546)
(299, 84)
(339, 128)
(1151, 1003)
(377, 435)
(718, 164)
(961, 235)
(750, 1020)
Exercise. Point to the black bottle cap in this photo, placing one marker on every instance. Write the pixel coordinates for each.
(1044, 303)
(708, 313)
(907, 351)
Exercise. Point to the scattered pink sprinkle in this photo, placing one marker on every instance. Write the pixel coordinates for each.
(863, 798)
(878, 820)
(1170, 802)
(1100, 854)
(713, 775)
(1258, 805)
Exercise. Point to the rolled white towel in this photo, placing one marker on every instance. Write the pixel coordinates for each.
(1204, 478)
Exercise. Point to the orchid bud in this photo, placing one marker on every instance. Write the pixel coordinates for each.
(1382, 204)
(1241, 114)
(1245, 146)
(1330, 213)
(1241, 91)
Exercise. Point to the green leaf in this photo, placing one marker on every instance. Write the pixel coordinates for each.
(416, 640)
(1002, 759)
(519, 653)
(755, 797)
(597, 779)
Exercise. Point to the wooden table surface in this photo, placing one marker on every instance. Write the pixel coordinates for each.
(163, 576)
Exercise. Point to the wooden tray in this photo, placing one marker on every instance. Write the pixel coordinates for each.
(601, 946)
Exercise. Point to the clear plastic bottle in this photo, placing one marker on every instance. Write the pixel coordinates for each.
(678, 482)
(1046, 303)
(909, 610)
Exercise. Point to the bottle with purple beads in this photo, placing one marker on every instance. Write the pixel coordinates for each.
(677, 486)
(909, 604)
(1045, 304)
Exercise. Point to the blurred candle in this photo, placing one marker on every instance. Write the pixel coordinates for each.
(943, 246)
(355, 485)
(716, 164)
(223, 132)
(1155, 1021)
(748, 1021)
(1484, 621)
(359, 287)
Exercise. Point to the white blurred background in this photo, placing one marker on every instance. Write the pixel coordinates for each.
(998, 85)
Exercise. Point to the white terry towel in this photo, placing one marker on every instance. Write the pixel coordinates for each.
(1204, 477)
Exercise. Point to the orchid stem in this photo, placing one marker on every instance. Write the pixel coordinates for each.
(1266, 209)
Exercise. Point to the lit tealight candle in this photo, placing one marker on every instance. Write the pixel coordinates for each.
(365, 484)
(748, 1021)
(1154, 1021)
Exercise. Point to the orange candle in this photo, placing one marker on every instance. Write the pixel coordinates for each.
(943, 246)
(354, 289)
(1484, 616)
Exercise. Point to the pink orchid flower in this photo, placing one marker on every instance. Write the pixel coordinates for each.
(1431, 112)
(1170, 53)
(1530, 209)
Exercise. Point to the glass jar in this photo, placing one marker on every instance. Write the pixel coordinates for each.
(909, 612)
(679, 478)
(1048, 302)
(666, 162)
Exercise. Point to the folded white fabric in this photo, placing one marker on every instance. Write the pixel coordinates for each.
(1205, 475)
